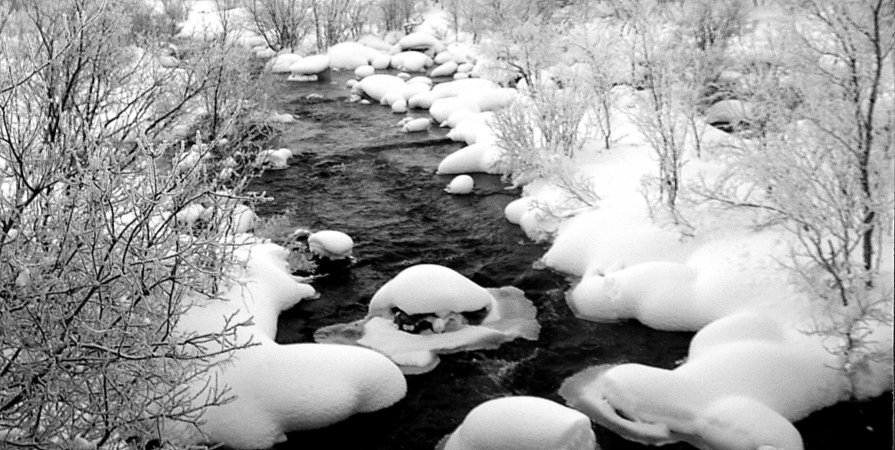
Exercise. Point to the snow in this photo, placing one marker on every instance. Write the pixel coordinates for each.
(274, 159)
(444, 70)
(330, 244)
(399, 106)
(279, 388)
(310, 65)
(442, 108)
(729, 111)
(458, 87)
(364, 71)
(416, 125)
(410, 61)
(429, 288)
(511, 316)
(349, 55)
(522, 423)
(378, 85)
(381, 61)
(601, 240)
(421, 41)
(460, 185)
(422, 100)
(470, 159)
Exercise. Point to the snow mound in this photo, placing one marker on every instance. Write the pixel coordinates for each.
(444, 70)
(429, 309)
(279, 388)
(522, 423)
(282, 63)
(471, 159)
(458, 87)
(426, 288)
(364, 71)
(442, 108)
(310, 65)
(378, 85)
(731, 112)
(747, 376)
(601, 240)
(421, 41)
(331, 244)
(411, 61)
(416, 125)
(349, 55)
(460, 185)
(381, 61)
(274, 159)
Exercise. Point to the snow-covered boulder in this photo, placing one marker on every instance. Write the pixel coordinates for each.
(242, 219)
(378, 85)
(442, 108)
(423, 100)
(458, 87)
(364, 71)
(471, 159)
(330, 244)
(429, 309)
(516, 208)
(473, 129)
(411, 61)
(375, 43)
(730, 112)
(746, 378)
(460, 185)
(349, 55)
(603, 240)
(381, 61)
(278, 388)
(310, 65)
(416, 125)
(522, 423)
(422, 42)
(277, 159)
(444, 70)
(281, 63)
(399, 106)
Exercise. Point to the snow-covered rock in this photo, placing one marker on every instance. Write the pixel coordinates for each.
(522, 423)
(377, 85)
(429, 288)
(330, 244)
(399, 106)
(364, 71)
(416, 125)
(603, 240)
(731, 112)
(442, 108)
(516, 208)
(278, 388)
(460, 185)
(422, 100)
(421, 41)
(747, 376)
(444, 70)
(310, 65)
(281, 63)
(458, 87)
(274, 158)
(381, 61)
(473, 158)
(349, 55)
(411, 61)
(429, 309)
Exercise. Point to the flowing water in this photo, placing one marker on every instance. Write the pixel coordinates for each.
(355, 172)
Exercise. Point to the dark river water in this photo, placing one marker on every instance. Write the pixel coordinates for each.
(355, 172)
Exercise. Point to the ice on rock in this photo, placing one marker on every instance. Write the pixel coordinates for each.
(522, 423)
(378, 85)
(460, 185)
(279, 388)
(310, 65)
(746, 378)
(430, 309)
(471, 159)
(331, 244)
(349, 55)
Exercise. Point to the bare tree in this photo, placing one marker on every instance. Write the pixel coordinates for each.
(96, 265)
(282, 23)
